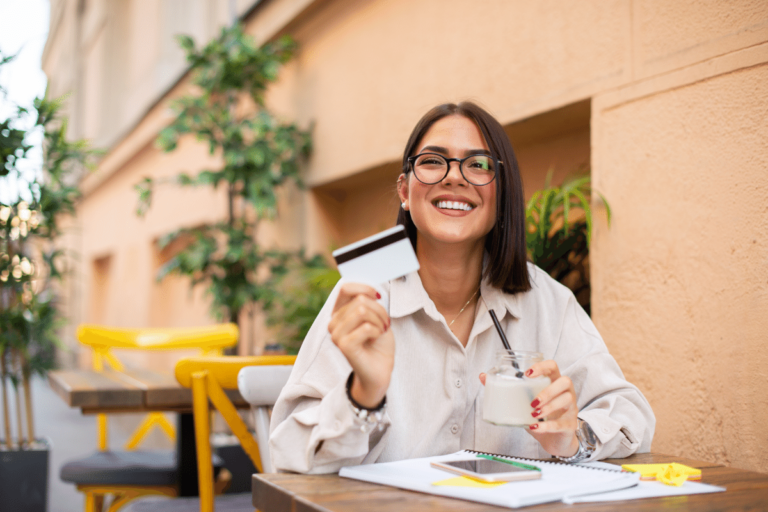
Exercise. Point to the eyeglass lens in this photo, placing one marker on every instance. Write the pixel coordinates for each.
(431, 168)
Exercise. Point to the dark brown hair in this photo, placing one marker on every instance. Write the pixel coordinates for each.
(507, 268)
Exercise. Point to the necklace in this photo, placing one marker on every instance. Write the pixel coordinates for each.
(465, 307)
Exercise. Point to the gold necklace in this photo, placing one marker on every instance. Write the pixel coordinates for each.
(465, 307)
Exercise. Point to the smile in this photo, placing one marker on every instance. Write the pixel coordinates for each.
(454, 205)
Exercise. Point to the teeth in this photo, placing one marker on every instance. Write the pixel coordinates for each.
(454, 205)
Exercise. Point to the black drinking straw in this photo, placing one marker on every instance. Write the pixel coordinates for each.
(498, 328)
(503, 337)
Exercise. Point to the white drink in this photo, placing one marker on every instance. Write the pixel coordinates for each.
(507, 401)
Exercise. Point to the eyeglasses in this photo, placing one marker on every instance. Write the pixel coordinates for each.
(432, 168)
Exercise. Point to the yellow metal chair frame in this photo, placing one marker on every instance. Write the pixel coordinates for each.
(211, 340)
(209, 377)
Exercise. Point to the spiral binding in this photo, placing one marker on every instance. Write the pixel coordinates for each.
(539, 461)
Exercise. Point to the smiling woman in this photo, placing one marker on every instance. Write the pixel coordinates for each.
(448, 209)
(379, 380)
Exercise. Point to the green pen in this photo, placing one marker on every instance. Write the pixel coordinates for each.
(510, 462)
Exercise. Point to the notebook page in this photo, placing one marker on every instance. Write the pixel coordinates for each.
(646, 489)
(557, 481)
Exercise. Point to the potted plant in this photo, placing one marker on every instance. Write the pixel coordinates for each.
(558, 232)
(29, 214)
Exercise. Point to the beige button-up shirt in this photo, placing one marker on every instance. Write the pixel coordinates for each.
(435, 398)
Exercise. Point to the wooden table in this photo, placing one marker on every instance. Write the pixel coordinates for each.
(128, 391)
(133, 391)
(285, 492)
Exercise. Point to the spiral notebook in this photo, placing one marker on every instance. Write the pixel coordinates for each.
(558, 481)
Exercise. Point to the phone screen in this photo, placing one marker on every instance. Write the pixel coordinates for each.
(485, 467)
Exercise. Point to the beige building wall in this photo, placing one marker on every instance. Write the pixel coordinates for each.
(682, 274)
(665, 101)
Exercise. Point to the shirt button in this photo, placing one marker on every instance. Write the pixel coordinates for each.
(455, 429)
(458, 383)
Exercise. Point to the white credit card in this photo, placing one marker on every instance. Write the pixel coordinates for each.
(378, 258)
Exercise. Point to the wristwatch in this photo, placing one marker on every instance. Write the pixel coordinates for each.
(587, 443)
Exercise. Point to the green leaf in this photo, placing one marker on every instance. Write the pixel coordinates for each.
(186, 43)
(144, 188)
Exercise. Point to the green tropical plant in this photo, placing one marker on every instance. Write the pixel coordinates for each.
(301, 285)
(558, 234)
(29, 262)
(258, 154)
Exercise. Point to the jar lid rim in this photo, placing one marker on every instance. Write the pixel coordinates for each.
(518, 353)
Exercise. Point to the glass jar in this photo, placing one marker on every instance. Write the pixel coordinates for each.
(508, 392)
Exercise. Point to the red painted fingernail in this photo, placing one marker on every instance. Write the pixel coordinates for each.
(529, 372)
(533, 427)
(536, 413)
(535, 403)
(378, 295)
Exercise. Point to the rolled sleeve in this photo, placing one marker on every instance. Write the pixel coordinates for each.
(321, 436)
(313, 428)
(616, 410)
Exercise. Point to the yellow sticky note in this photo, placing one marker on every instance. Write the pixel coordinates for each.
(670, 474)
(463, 481)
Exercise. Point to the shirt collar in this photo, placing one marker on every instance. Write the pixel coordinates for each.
(499, 301)
(407, 295)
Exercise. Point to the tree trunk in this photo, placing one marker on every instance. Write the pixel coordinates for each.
(19, 416)
(28, 402)
(234, 316)
(6, 411)
(231, 192)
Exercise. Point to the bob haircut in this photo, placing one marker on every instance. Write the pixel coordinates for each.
(507, 264)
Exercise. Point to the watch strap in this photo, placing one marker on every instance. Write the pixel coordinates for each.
(587, 443)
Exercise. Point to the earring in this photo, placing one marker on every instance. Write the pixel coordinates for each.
(402, 205)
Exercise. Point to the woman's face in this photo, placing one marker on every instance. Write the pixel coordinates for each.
(453, 210)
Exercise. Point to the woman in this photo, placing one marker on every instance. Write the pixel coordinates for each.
(378, 380)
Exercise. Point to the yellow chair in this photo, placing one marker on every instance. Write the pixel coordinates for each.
(129, 475)
(210, 340)
(209, 377)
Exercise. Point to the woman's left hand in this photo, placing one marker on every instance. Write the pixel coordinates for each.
(556, 403)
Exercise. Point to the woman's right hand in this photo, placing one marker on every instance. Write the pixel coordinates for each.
(360, 327)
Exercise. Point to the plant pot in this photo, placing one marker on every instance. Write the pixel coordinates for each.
(24, 478)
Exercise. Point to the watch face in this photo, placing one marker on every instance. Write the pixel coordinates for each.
(587, 434)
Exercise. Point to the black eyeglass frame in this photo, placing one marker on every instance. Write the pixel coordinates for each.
(412, 159)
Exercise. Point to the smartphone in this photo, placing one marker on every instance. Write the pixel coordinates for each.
(487, 470)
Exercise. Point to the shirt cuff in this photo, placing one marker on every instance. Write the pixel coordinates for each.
(336, 433)
(612, 442)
